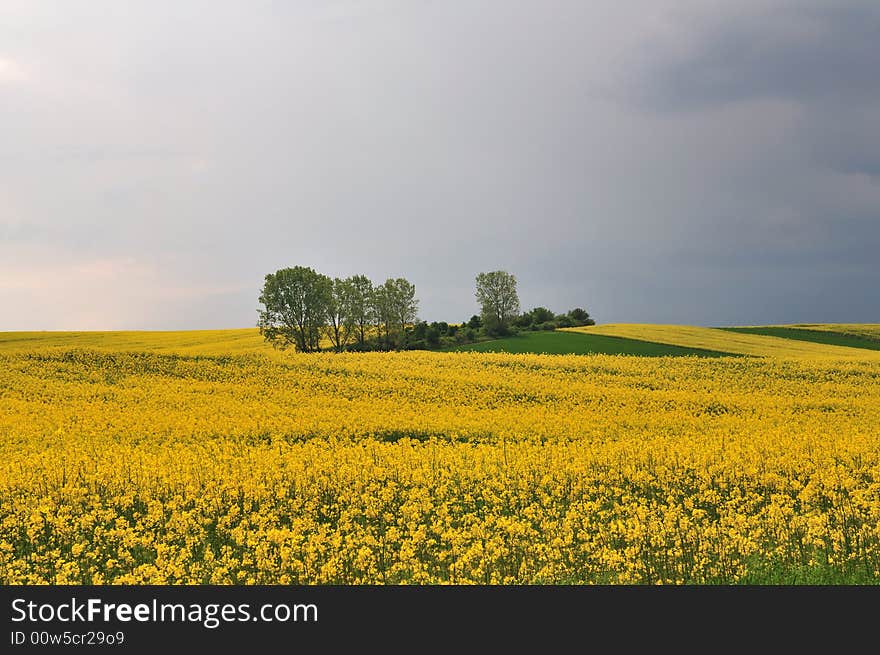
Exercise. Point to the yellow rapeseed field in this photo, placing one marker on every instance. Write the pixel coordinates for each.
(129, 466)
(188, 342)
(756, 345)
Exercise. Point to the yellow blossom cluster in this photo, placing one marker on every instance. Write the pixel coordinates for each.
(410, 468)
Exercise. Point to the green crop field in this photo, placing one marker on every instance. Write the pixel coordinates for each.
(574, 343)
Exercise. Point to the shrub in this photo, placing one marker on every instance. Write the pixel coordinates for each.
(542, 315)
(523, 320)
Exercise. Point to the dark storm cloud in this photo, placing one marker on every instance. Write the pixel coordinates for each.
(799, 223)
(822, 58)
(846, 138)
(802, 51)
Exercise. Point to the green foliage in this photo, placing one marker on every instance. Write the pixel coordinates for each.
(541, 315)
(395, 306)
(296, 304)
(340, 321)
(301, 306)
(523, 321)
(541, 318)
(360, 303)
(580, 316)
(432, 337)
(420, 330)
(498, 300)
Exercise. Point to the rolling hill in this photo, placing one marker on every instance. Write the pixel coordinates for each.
(723, 340)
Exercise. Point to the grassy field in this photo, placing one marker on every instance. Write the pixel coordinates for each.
(756, 345)
(574, 343)
(815, 336)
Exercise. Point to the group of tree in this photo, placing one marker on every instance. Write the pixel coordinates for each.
(303, 309)
(500, 311)
(302, 306)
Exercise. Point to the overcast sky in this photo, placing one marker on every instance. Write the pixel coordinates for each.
(672, 161)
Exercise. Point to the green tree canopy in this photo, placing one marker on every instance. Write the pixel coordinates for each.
(395, 306)
(340, 321)
(499, 302)
(541, 315)
(296, 302)
(360, 304)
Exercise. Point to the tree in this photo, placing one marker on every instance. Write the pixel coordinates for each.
(580, 317)
(432, 337)
(499, 302)
(340, 323)
(523, 320)
(360, 300)
(396, 307)
(296, 303)
(541, 315)
(420, 330)
(380, 310)
(404, 303)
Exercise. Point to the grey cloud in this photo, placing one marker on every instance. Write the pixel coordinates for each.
(821, 58)
(800, 51)
(846, 137)
(724, 173)
(798, 221)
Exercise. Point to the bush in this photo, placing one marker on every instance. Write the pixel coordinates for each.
(542, 315)
(498, 331)
(578, 314)
(419, 330)
(580, 317)
(523, 320)
(360, 347)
